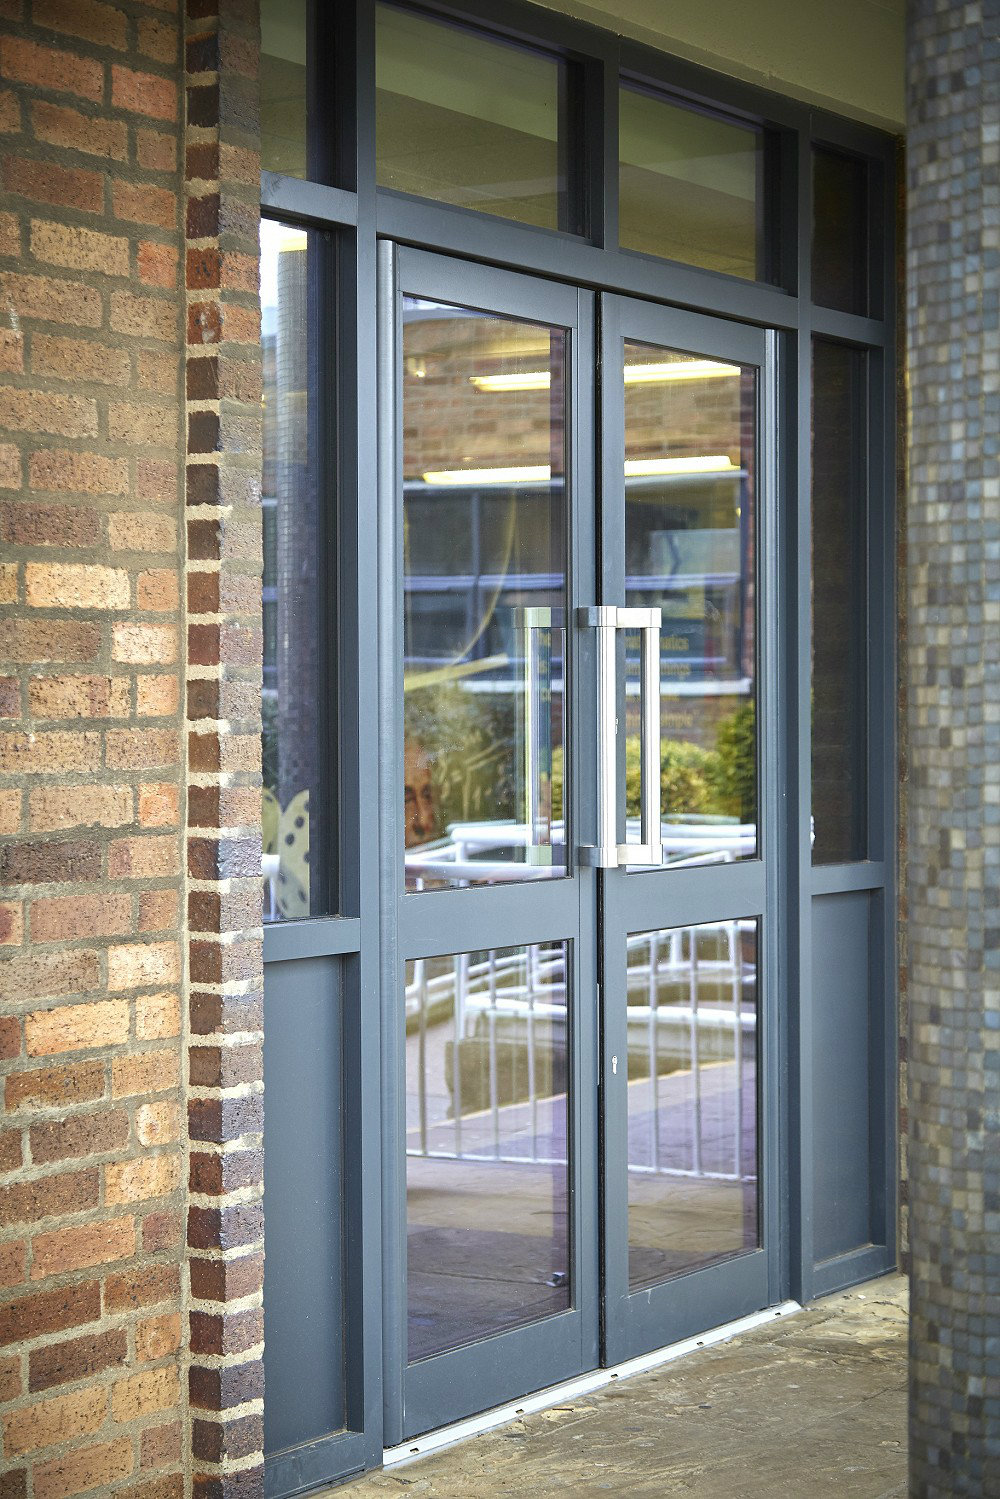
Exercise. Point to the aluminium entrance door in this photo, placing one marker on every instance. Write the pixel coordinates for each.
(576, 847)
(688, 973)
(489, 979)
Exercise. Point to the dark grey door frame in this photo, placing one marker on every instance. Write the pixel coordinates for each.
(639, 1322)
(350, 207)
(458, 1383)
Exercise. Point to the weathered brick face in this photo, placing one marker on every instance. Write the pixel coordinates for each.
(91, 748)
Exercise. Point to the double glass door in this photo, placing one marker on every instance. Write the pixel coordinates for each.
(576, 526)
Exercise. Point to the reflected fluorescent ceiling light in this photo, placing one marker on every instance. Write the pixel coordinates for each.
(635, 468)
(715, 463)
(527, 475)
(635, 374)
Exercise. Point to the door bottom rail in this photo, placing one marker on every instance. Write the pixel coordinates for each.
(584, 1384)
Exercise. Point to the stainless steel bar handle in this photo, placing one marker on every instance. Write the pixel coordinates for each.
(650, 819)
(607, 852)
(532, 621)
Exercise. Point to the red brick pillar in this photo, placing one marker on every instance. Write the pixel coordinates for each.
(225, 1112)
(91, 751)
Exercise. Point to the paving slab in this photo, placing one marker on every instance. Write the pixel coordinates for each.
(812, 1406)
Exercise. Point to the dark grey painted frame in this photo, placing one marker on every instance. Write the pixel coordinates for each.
(499, 1368)
(360, 939)
(637, 1322)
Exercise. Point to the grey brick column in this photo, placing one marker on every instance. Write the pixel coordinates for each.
(954, 731)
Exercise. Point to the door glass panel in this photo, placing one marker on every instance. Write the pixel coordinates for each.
(690, 548)
(467, 120)
(692, 1098)
(840, 614)
(484, 581)
(487, 1173)
(690, 186)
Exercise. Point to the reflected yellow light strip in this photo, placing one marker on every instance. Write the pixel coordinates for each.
(635, 468)
(635, 374)
(440, 674)
(469, 476)
(716, 463)
(530, 380)
(679, 369)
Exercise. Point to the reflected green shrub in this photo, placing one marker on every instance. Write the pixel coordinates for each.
(694, 782)
(736, 749)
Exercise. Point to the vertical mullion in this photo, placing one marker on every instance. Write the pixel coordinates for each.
(390, 770)
(354, 65)
(799, 887)
(886, 775)
(603, 146)
(772, 816)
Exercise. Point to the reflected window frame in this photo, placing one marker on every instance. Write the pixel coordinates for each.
(770, 268)
(862, 246)
(574, 147)
(329, 101)
(326, 896)
(557, 496)
(750, 581)
(858, 501)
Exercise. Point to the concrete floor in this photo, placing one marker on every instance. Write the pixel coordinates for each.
(811, 1406)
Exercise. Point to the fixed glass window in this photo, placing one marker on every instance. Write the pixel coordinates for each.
(691, 186)
(470, 121)
(283, 86)
(840, 615)
(840, 231)
(297, 582)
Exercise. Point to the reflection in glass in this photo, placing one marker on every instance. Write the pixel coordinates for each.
(294, 596)
(690, 186)
(692, 1098)
(840, 615)
(484, 546)
(466, 120)
(487, 1175)
(690, 547)
(840, 231)
(283, 86)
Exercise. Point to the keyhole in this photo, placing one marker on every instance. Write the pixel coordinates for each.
(614, 1065)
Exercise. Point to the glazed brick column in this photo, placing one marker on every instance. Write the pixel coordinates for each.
(225, 645)
(954, 745)
(91, 750)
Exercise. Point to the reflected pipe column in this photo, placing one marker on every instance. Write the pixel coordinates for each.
(298, 603)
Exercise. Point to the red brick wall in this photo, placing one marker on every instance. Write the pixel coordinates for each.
(225, 1224)
(91, 749)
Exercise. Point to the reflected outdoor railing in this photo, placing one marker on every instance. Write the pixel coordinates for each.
(500, 1000)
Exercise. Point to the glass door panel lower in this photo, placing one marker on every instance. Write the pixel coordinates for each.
(487, 1144)
(692, 1098)
(687, 927)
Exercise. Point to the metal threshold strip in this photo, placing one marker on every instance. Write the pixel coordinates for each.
(586, 1384)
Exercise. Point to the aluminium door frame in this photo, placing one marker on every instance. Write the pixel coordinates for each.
(638, 1322)
(436, 1390)
(351, 207)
